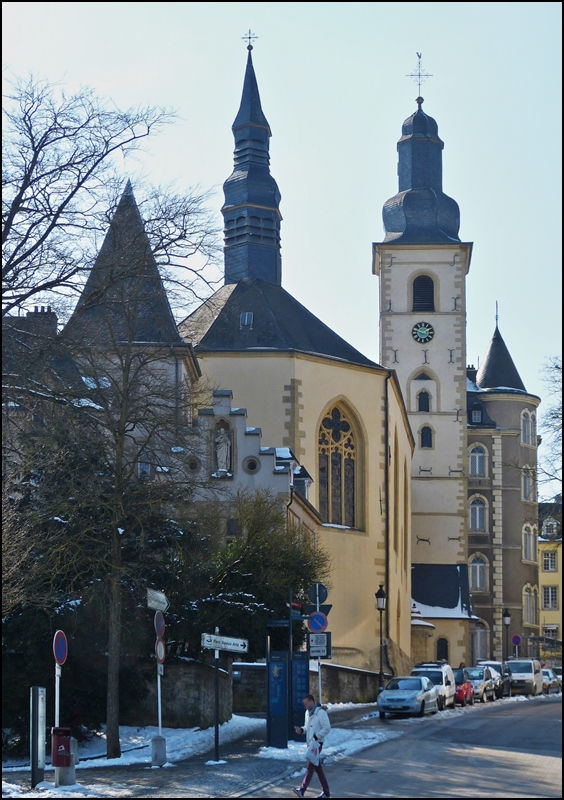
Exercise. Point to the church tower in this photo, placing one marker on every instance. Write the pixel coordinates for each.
(422, 266)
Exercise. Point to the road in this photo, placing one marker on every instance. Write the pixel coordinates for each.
(504, 749)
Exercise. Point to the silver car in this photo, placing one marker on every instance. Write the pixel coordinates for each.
(408, 695)
(550, 682)
(483, 682)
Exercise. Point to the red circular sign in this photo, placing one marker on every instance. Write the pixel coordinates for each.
(159, 623)
(160, 650)
(60, 647)
(317, 622)
(516, 640)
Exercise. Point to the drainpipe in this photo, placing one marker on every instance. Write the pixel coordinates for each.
(387, 499)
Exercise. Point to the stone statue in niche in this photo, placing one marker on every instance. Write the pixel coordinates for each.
(223, 451)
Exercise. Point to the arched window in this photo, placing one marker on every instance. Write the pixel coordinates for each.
(426, 436)
(423, 294)
(337, 456)
(479, 642)
(478, 514)
(477, 461)
(525, 428)
(478, 574)
(529, 544)
(442, 649)
(534, 430)
(423, 401)
(528, 480)
(529, 605)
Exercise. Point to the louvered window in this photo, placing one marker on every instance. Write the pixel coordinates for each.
(423, 294)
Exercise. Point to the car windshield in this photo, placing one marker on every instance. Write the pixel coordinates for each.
(475, 674)
(434, 676)
(458, 675)
(520, 666)
(405, 684)
(547, 673)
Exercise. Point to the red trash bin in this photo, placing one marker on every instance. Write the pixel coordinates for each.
(61, 747)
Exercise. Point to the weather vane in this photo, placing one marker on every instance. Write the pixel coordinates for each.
(250, 37)
(418, 74)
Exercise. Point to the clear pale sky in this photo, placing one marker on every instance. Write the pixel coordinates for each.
(332, 78)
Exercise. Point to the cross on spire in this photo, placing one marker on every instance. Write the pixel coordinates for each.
(250, 37)
(419, 75)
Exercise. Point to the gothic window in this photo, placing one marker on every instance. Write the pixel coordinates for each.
(525, 428)
(529, 606)
(478, 515)
(529, 544)
(423, 401)
(533, 433)
(528, 481)
(477, 461)
(423, 294)
(478, 574)
(337, 458)
(423, 377)
(442, 649)
(144, 462)
(426, 436)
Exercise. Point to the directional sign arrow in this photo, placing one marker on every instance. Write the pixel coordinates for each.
(212, 642)
(157, 600)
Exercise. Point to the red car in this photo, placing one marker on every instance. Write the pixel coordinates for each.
(464, 690)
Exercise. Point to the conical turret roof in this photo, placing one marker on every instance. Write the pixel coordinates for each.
(124, 298)
(497, 369)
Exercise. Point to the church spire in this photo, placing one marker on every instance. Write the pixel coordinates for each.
(251, 210)
(497, 369)
(421, 212)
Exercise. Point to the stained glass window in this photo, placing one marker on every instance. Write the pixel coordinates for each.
(337, 469)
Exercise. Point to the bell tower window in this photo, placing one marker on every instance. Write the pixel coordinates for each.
(423, 294)
(423, 401)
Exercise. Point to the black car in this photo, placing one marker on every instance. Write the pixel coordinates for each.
(503, 683)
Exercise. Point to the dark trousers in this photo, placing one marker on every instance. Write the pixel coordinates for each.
(320, 774)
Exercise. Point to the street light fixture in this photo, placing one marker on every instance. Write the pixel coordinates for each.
(381, 603)
(507, 623)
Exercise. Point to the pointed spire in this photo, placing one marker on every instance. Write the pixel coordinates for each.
(124, 297)
(251, 210)
(497, 369)
(421, 212)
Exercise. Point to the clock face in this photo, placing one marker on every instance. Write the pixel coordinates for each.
(422, 332)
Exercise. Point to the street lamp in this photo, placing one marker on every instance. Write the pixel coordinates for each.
(381, 603)
(507, 623)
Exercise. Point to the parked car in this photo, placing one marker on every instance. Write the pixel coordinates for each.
(483, 683)
(503, 679)
(558, 672)
(550, 682)
(464, 691)
(409, 695)
(440, 673)
(526, 676)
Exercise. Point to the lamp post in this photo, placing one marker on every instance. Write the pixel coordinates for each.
(381, 603)
(507, 623)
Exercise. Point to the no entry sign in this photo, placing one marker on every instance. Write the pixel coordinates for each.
(160, 650)
(60, 647)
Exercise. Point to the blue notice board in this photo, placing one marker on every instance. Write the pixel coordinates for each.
(277, 686)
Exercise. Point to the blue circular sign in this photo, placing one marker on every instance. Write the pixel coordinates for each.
(60, 647)
(317, 622)
(159, 623)
(516, 640)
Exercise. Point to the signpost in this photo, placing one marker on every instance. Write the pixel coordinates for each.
(157, 600)
(320, 645)
(60, 651)
(216, 642)
(516, 641)
(37, 733)
(159, 603)
(317, 624)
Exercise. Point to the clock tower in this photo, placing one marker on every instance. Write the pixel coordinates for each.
(422, 266)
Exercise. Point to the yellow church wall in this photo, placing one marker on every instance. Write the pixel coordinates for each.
(287, 396)
(455, 631)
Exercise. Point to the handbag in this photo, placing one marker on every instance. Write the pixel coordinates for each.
(312, 752)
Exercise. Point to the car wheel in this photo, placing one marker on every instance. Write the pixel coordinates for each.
(422, 709)
(382, 714)
(471, 701)
(463, 703)
(483, 697)
(493, 696)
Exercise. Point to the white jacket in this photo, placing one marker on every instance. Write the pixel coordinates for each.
(316, 724)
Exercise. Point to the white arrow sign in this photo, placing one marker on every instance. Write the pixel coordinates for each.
(157, 600)
(212, 642)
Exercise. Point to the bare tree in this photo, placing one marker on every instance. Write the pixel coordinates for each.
(550, 467)
(61, 178)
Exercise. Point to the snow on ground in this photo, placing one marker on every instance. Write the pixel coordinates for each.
(338, 744)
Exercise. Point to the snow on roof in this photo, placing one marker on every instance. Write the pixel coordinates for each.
(441, 612)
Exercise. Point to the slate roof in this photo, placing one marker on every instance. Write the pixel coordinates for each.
(441, 590)
(279, 323)
(250, 111)
(124, 298)
(497, 370)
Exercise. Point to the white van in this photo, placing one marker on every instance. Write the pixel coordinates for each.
(526, 676)
(441, 674)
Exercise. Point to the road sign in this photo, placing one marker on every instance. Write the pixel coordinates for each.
(160, 669)
(319, 645)
(159, 623)
(213, 642)
(324, 608)
(160, 650)
(317, 622)
(317, 593)
(516, 640)
(278, 623)
(60, 647)
(157, 600)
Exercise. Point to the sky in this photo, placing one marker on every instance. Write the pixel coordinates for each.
(334, 88)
